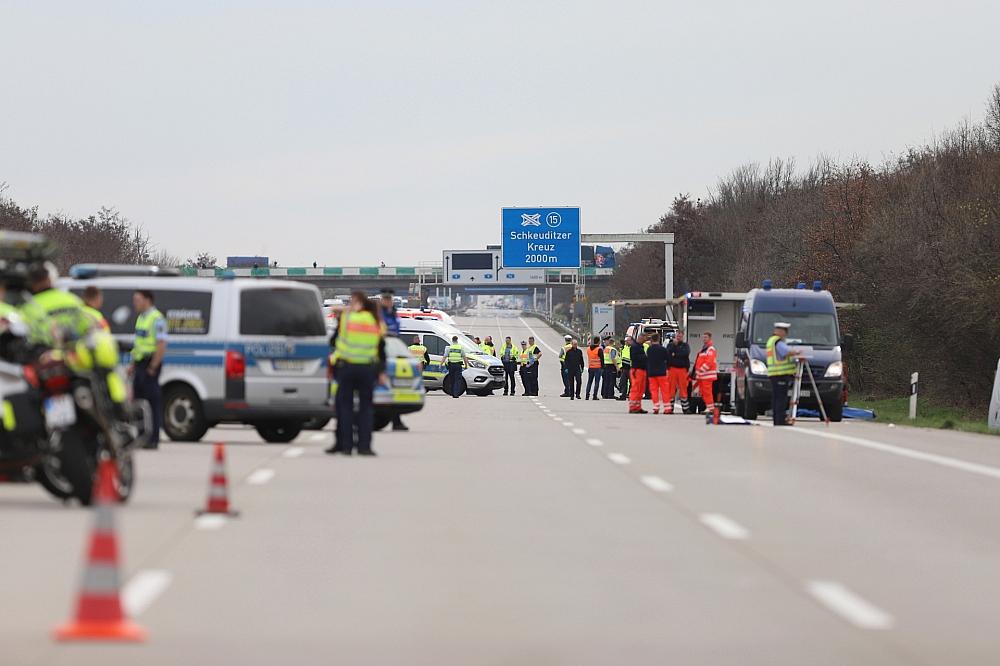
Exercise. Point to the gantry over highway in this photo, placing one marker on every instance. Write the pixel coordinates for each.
(520, 530)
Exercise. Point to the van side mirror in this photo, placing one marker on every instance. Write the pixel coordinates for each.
(847, 342)
(741, 339)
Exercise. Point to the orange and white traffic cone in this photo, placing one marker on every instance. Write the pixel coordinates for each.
(218, 488)
(99, 615)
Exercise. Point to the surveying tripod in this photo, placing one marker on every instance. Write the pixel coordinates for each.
(802, 369)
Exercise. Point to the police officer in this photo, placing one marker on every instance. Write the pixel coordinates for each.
(390, 320)
(625, 379)
(420, 351)
(780, 371)
(567, 344)
(147, 358)
(455, 358)
(93, 299)
(612, 363)
(508, 356)
(488, 346)
(359, 358)
(534, 354)
(52, 315)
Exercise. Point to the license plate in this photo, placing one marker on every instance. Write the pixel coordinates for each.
(288, 364)
(60, 411)
(802, 394)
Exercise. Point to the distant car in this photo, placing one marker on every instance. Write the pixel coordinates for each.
(483, 374)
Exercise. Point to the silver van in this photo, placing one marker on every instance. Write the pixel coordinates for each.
(248, 350)
(483, 373)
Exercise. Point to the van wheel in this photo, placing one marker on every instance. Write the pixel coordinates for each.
(183, 416)
(835, 411)
(279, 432)
(746, 407)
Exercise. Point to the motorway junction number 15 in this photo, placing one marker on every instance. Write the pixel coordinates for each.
(541, 237)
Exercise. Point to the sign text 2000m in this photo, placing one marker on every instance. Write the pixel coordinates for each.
(541, 237)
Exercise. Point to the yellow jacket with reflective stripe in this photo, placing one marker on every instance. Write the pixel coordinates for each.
(776, 367)
(145, 334)
(357, 339)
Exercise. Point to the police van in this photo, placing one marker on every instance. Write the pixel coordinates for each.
(483, 373)
(248, 350)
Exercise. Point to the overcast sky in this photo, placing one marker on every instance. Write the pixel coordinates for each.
(352, 132)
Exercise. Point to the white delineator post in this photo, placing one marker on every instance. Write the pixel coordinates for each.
(913, 395)
(994, 417)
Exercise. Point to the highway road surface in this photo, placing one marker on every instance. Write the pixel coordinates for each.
(519, 531)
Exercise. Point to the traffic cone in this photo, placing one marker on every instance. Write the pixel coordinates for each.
(99, 615)
(218, 488)
(715, 415)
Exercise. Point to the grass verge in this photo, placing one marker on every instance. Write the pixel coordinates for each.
(897, 410)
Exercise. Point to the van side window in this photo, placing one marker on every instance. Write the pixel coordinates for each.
(281, 311)
(186, 312)
(434, 344)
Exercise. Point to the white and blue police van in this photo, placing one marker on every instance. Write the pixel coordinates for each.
(239, 350)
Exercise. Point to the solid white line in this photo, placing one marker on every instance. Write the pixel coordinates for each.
(593, 441)
(657, 484)
(318, 437)
(725, 527)
(619, 458)
(579, 431)
(210, 521)
(143, 589)
(537, 337)
(848, 605)
(260, 477)
(293, 452)
(500, 329)
(943, 461)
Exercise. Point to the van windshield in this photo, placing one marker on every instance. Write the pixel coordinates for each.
(281, 311)
(808, 328)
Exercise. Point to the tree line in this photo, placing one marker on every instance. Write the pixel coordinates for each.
(916, 240)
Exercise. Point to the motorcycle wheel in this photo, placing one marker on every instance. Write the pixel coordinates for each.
(76, 463)
(50, 477)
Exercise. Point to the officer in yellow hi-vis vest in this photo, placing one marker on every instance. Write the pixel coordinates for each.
(455, 358)
(359, 359)
(148, 350)
(780, 371)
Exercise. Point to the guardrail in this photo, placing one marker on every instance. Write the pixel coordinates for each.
(434, 274)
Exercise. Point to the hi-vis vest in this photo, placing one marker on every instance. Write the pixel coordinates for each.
(508, 352)
(706, 364)
(775, 367)
(145, 334)
(562, 352)
(627, 354)
(357, 340)
(419, 352)
(455, 354)
(98, 318)
(53, 312)
(523, 357)
(533, 350)
(611, 356)
(593, 357)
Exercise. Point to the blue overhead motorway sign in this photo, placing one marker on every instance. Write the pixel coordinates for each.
(541, 237)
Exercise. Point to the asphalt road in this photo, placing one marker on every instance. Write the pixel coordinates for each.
(509, 530)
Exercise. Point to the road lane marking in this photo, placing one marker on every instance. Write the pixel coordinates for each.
(541, 406)
(557, 419)
(593, 441)
(727, 528)
(568, 424)
(210, 521)
(143, 589)
(579, 431)
(943, 461)
(260, 477)
(657, 484)
(537, 337)
(848, 605)
(619, 458)
(317, 437)
(500, 328)
(293, 452)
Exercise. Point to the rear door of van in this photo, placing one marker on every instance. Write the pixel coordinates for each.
(282, 336)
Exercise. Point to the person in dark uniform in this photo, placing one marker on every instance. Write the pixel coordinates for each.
(574, 370)
(148, 350)
(390, 319)
(359, 359)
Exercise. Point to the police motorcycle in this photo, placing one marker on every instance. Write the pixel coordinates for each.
(63, 402)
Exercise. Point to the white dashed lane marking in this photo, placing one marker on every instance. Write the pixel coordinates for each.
(210, 521)
(727, 528)
(619, 458)
(657, 484)
(593, 441)
(579, 431)
(848, 605)
(143, 589)
(293, 452)
(260, 477)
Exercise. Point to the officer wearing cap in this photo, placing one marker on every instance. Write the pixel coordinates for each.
(564, 373)
(780, 370)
